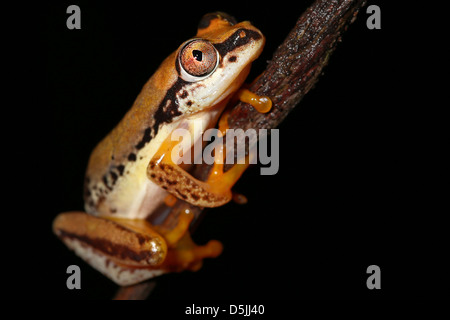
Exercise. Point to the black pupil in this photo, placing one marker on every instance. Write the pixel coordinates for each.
(197, 54)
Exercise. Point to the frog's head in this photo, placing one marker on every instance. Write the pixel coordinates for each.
(215, 63)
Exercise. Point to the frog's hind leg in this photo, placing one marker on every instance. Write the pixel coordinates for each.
(125, 251)
(130, 251)
(183, 253)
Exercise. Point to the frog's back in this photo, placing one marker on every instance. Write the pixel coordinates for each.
(122, 156)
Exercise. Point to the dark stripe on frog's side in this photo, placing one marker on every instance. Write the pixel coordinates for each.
(169, 107)
(165, 113)
(120, 169)
(108, 180)
(100, 184)
(145, 139)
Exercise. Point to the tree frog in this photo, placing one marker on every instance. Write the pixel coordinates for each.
(130, 172)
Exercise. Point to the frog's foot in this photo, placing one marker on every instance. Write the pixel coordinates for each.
(239, 198)
(262, 104)
(216, 190)
(183, 253)
(127, 252)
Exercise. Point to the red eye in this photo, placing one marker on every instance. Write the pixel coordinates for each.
(199, 59)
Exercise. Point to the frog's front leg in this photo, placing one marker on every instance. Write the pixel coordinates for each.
(216, 190)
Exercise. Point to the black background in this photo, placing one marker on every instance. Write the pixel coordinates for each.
(359, 179)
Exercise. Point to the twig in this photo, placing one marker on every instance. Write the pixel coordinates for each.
(292, 72)
(297, 63)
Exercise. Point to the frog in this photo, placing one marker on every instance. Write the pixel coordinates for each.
(130, 173)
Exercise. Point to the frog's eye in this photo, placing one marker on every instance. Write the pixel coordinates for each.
(198, 59)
